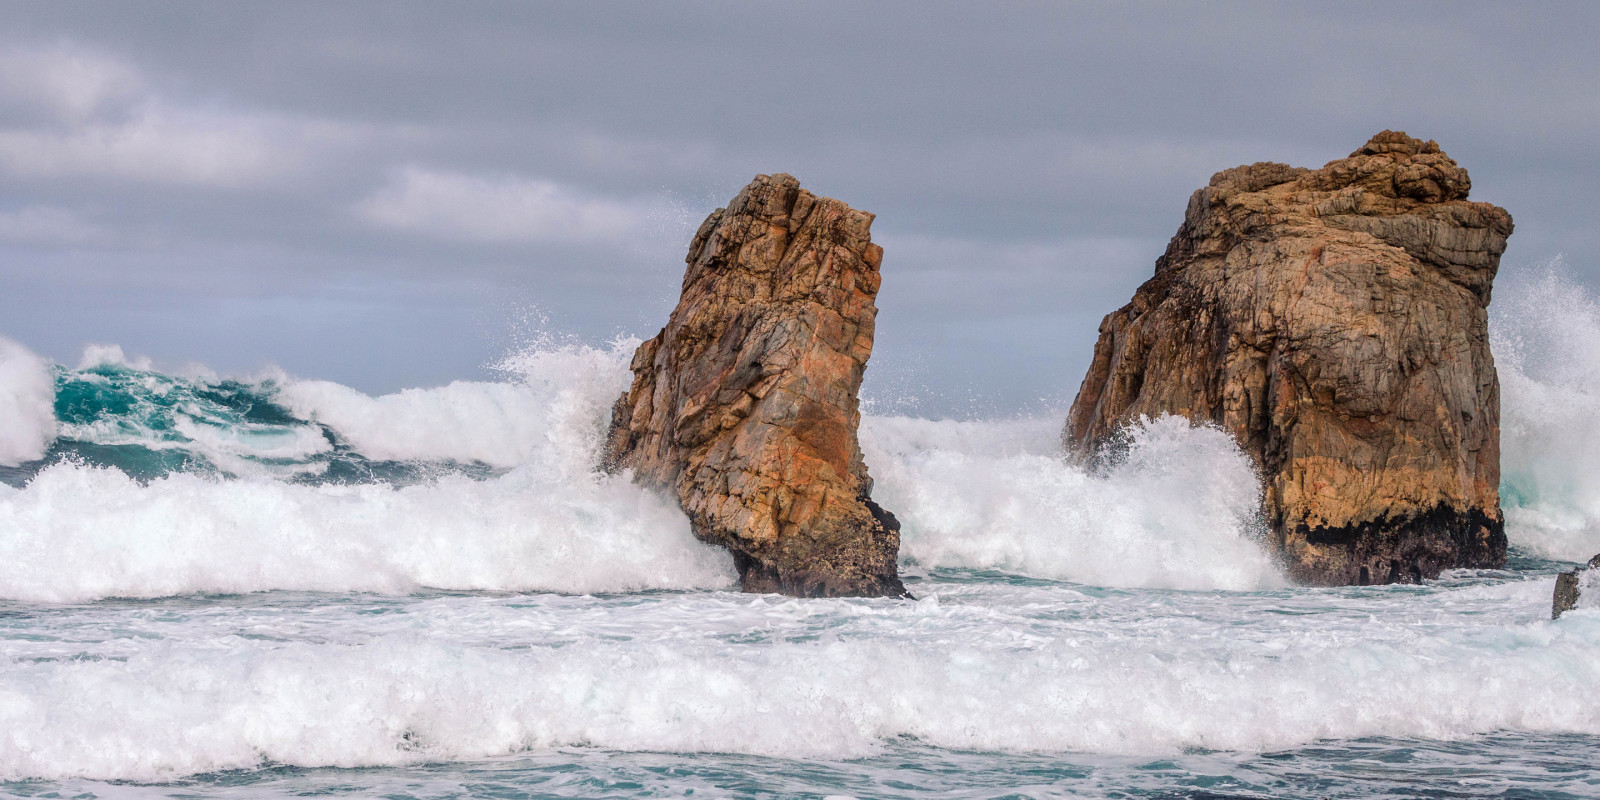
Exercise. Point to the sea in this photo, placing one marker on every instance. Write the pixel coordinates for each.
(270, 586)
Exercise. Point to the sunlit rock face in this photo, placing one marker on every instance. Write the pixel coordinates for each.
(1335, 322)
(745, 405)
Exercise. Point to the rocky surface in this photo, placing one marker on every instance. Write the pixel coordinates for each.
(1569, 586)
(745, 405)
(1335, 322)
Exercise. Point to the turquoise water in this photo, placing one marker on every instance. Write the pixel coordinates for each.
(149, 424)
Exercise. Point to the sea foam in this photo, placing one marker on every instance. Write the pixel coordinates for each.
(1179, 682)
(78, 532)
(503, 424)
(1179, 510)
(27, 404)
(1545, 330)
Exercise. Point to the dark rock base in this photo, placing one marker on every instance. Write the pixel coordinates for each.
(852, 569)
(1405, 550)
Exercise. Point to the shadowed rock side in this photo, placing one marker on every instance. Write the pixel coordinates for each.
(1335, 322)
(745, 405)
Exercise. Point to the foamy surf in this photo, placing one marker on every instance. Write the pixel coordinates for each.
(1546, 333)
(27, 404)
(989, 668)
(79, 533)
(1178, 511)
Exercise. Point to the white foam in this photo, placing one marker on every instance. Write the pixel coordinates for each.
(176, 708)
(502, 424)
(79, 533)
(1179, 512)
(27, 404)
(1545, 331)
(111, 355)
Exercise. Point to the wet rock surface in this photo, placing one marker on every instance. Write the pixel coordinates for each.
(1334, 321)
(745, 405)
(1569, 588)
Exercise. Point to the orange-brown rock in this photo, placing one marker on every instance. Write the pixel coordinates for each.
(1335, 322)
(745, 405)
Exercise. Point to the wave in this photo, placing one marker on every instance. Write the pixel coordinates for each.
(502, 424)
(79, 531)
(120, 412)
(178, 709)
(1179, 511)
(1545, 332)
(27, 404)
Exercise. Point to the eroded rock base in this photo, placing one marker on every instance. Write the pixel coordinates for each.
(1389, 550)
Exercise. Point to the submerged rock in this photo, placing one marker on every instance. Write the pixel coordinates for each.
(1569, 588)
(1335, 322)
(745, 405)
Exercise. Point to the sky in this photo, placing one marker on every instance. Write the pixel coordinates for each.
(395, 194)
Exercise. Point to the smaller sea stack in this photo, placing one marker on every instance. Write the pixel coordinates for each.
(1335, 322)
(1569, 588)
(745, 405)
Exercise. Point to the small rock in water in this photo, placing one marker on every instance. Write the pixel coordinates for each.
(1567, 589)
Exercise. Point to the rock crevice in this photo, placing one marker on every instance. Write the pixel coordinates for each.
(1335, 322)
(745, 405)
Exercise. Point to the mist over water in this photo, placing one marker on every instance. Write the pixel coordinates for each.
(247, 585)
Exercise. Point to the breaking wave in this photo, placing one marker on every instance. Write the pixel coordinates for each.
(27, 404)
(1545, 331)
(1179, 511)
(168, 485)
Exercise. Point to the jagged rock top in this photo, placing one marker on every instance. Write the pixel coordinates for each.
(1405, 192)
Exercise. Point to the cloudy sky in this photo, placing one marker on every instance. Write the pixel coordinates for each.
(391, 194)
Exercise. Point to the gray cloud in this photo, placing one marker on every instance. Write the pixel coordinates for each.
(370, 193)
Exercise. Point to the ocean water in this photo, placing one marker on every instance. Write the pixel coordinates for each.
(274, 587)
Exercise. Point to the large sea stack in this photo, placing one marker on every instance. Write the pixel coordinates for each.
(1335, 322)
(744, 406)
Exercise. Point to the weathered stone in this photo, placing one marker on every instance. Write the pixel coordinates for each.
(1568, 589)
(1335, 322)
(745, 407)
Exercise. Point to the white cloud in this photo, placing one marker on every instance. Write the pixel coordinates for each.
(451, 205)
(68, 82)
(162, 144)
(46, 225)
(96, 116)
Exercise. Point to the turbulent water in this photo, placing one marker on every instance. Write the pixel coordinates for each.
(279, 587)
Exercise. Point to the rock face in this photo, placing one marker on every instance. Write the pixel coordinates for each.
(1568, 588)
(1335, 322)
(745, 405)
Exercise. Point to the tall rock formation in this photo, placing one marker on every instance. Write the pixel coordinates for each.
(1335, 322)
(745, 405)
